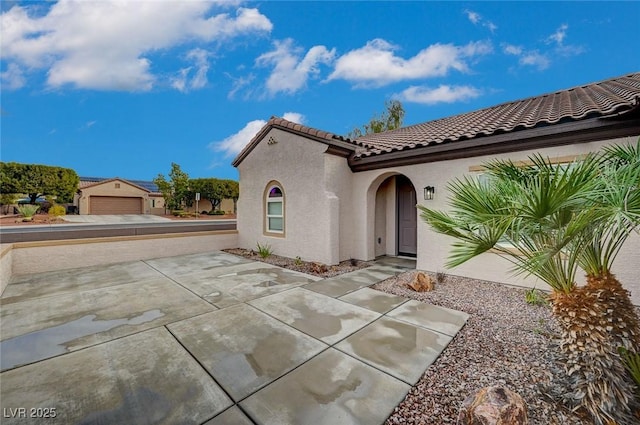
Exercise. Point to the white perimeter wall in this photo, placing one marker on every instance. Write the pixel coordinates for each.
(433, 248)
(38, 257)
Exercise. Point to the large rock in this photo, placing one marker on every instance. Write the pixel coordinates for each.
(421, 283)
(493, 406)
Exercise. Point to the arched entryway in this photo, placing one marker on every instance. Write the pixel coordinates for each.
(407, 219)
(395, 217)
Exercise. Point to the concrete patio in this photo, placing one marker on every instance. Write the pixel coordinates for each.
(213, 338)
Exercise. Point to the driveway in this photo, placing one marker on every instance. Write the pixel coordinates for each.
(212, 338)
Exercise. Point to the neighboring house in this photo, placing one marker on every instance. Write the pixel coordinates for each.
(99, 195)
(117, 196)
(320, 196)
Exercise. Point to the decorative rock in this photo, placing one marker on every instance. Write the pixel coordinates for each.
(493, 406)
(421, 283)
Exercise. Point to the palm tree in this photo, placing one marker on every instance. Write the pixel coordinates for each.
(549, 221)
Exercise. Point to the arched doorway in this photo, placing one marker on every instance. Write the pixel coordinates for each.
(407, 218)
(395, 217)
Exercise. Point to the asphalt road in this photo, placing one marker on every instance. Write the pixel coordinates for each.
(12, 234)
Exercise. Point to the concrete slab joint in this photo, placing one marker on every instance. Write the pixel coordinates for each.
(213, 338)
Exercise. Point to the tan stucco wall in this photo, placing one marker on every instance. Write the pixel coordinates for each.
(38, 257)
(313, 197)
(108, 188)
(433, 248)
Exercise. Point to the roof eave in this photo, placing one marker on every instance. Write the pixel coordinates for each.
(336, 146)
(535, 138)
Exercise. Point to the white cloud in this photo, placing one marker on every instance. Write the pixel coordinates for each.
(233, 144)
(376, 64)
(441, 94)
(473, 16)
(182, 82)
(13, 78)
(104, 44)
(476, 19)
(294, 117)
(558, 36)
(290, 70)
(511, 49)
(535, 59)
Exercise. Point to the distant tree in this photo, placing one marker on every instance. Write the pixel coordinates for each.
(233, 192)
(6, 200)
(38, 180)
(175, 191)
(390, 119)
(214, 190)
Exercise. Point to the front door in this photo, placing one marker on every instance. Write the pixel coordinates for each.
(407, 217)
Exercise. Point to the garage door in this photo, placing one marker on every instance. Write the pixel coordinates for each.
(114, 205)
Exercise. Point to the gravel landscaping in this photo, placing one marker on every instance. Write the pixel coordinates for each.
(505, 342)
(315, 269)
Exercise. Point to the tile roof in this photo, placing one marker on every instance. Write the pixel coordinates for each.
(145, 184)
(588, 101)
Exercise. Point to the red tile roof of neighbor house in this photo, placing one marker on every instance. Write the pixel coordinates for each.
(600, 99)
(588, 101)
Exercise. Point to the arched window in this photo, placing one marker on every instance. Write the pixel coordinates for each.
(274, 208)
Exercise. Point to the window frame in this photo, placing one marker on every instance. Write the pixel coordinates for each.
(267, 230)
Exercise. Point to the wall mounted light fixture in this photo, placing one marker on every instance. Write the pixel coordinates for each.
(429, 191)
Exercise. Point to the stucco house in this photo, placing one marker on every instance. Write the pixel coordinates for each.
(99, 195)
(320, 196)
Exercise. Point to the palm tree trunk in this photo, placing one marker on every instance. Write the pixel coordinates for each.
(620, 312)
(596, 374)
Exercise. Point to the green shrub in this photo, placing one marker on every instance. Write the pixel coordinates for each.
(264, 251)
(631, 361)
(177, 213)
(298, 261)
(27, 211)
(535, 297)
(216, 212)
(57, 211)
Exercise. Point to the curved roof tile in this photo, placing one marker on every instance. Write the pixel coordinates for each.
(591, 100)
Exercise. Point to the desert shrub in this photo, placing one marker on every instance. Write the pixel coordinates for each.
(216, 212)
(57, 211)
(203, 212)
(631, 362)
(535, 297)
(28, 211)
(264, 251)
(177, 213)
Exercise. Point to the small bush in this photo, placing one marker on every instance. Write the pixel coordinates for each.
(28, 211)
(631, 362)
(44, 207)
(440, 276)
(298, 261)
(177, 213)
(264, 251)
(353, 262)
(57, 211)
(535, 297)
(216, 212)
(203, 212)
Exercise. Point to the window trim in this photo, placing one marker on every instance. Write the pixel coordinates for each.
(265, 209)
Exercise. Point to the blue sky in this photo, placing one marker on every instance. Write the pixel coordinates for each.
(124, 88)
